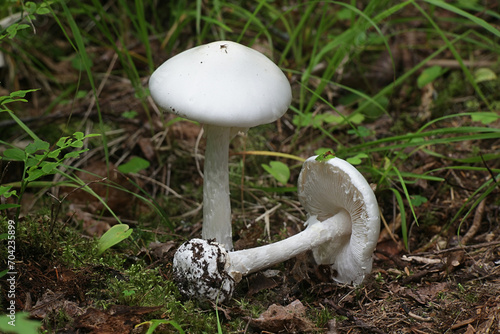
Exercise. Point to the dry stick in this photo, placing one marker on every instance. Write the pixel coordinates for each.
(476, 223)
(448, 250)
(455, 258)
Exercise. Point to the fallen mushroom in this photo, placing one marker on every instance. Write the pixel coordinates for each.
(227, 87)
(342, 231)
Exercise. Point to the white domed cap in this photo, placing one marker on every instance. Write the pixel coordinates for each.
(222, 83)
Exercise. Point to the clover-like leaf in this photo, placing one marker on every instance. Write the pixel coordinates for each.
(278, 170)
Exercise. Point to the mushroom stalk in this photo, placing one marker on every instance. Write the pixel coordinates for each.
(317, 233)
(205, 270)
(216, 202)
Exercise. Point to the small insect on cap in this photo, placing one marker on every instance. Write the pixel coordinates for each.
(222, 83)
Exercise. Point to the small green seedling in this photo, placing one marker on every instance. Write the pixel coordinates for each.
(113, 236)
(356, 160)
(279, 170)
(484, 74)
(429, 75)
(485, 117)
(157, 322)
(417, 200)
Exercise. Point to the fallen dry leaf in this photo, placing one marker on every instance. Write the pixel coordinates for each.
(52, 302)
(284, 319)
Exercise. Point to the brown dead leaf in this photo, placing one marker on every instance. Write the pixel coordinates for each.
(147, 148)
(54, 302)
(284, 319)
(160, 249)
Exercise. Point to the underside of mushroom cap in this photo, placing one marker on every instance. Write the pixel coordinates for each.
(199, 269)
(327, 188)
(222, 83)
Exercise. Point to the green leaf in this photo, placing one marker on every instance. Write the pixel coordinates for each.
(113, 236)
(335, 119)
(129, 114)
(128, 293)
(54, 154)
(14, 28)
(485, 117)
(31, 162)
(5, 191)
(19, 323)
(417, 200)
(356, 160)
(79, 135)
(77, 143)
(484, 74)
(22, 93)
(361, 131)
(278, 170)
(34, 174)
(15, 97)
(429, 75)
(14, 154)
(42, 10)
(48, 167)
(30, 7)
(134, 165)
(74, 154)
(9, 206)
(37, 145)
(62, 142)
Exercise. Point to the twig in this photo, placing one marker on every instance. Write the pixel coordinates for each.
(453, 63)
(485, 244)
(476, 223)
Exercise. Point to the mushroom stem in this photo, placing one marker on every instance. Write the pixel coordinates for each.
(216, 202)
(203, 269)
(317, 233)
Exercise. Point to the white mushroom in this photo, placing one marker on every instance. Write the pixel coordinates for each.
(327, 188)
(342, 231)
(227, 87)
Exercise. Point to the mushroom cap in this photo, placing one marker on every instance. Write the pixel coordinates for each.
(222, 83)
(327, 188)
(199, 269)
